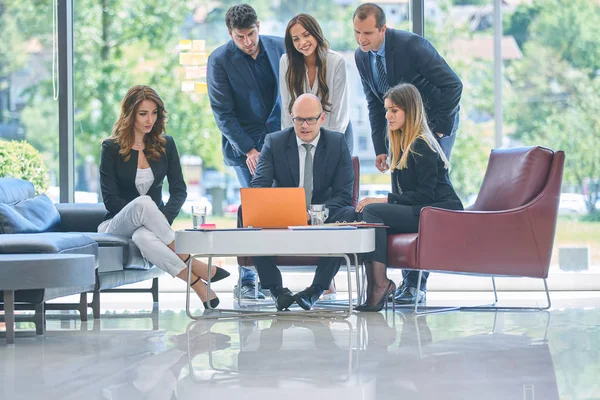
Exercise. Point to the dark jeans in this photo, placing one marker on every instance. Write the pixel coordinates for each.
(447, 142)
(244, 178)
(243, 175)
(327, 267)
(400, 219)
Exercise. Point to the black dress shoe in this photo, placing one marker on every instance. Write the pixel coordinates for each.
(308, 297)
(282, 297)
(409, 295)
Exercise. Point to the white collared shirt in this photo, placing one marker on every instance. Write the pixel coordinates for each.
(302, 155)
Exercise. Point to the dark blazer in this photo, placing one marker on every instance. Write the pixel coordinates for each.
(117, 179)
(424, 182)
(410, 58)
(333, 175)
(240, 112)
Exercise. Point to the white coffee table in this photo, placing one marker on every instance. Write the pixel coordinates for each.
(40, 271)
(279, 242)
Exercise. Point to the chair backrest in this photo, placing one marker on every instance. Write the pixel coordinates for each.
(356, 188)
(513, 178)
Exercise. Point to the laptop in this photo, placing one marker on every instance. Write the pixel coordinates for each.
(273, 207)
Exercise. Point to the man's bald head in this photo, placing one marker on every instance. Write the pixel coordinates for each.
(307, 115)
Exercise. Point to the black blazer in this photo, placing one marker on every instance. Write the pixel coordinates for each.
(424, 182)
(238, 107)
(410, 58)
(333, 175)
(117, 179)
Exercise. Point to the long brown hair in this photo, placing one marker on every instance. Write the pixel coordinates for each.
(154, 141)
(296, 70)
(407, 97)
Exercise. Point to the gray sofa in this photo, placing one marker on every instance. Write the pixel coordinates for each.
(33, 224)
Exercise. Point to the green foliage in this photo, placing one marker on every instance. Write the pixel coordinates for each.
(21, 160)
(553, 99)
(469, 160)
(517, 23)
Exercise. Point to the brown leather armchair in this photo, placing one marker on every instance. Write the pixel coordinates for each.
(509, 231)
(311, 261)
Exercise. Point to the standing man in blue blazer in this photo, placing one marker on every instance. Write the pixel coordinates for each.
(317, 159)
(387, 57)
(242, 78)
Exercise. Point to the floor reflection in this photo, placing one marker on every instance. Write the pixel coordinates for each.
(369, 356)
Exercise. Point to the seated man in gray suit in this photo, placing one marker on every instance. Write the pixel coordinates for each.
(317, 159)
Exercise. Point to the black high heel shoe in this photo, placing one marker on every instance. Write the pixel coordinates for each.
(213, 303)
(220, 274)
(383, 301)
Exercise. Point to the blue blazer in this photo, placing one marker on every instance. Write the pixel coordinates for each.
(409, 58)
(333, 175)
(240, 112)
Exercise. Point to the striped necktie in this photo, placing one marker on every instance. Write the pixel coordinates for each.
(382, 82)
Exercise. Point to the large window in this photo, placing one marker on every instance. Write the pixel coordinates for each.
(551, 63)
(28, 109)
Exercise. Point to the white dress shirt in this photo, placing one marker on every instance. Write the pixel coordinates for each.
(302, 156)
(338, 117)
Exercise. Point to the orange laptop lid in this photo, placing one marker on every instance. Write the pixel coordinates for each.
(273, 207)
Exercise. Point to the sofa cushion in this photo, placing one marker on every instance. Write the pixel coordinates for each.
(49, 242)
(132, 257)
(13, 190)
(33, 215)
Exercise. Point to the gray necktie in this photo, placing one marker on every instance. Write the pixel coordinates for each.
(308, 174)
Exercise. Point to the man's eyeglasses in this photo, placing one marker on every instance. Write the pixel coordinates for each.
(309, 121)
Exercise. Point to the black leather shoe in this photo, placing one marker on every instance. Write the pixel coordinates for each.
(408, 296)
(282, 297)
(308, 297)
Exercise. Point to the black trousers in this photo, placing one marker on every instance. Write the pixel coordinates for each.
(400, 219)
(270, 275)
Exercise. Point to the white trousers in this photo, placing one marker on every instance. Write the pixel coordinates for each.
(142, 221)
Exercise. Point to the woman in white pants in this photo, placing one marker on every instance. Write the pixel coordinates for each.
(134, 163)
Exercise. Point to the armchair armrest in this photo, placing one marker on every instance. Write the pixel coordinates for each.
(482, 242)
(80, 217)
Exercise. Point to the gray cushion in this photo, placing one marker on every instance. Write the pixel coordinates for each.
(34, 215)
(50, 242)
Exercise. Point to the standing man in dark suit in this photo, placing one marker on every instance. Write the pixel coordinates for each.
(386, 57)
(242, 78)
(318, 160)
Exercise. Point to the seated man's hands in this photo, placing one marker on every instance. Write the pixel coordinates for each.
(369, 200)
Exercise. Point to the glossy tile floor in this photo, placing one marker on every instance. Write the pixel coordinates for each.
(387, 355)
